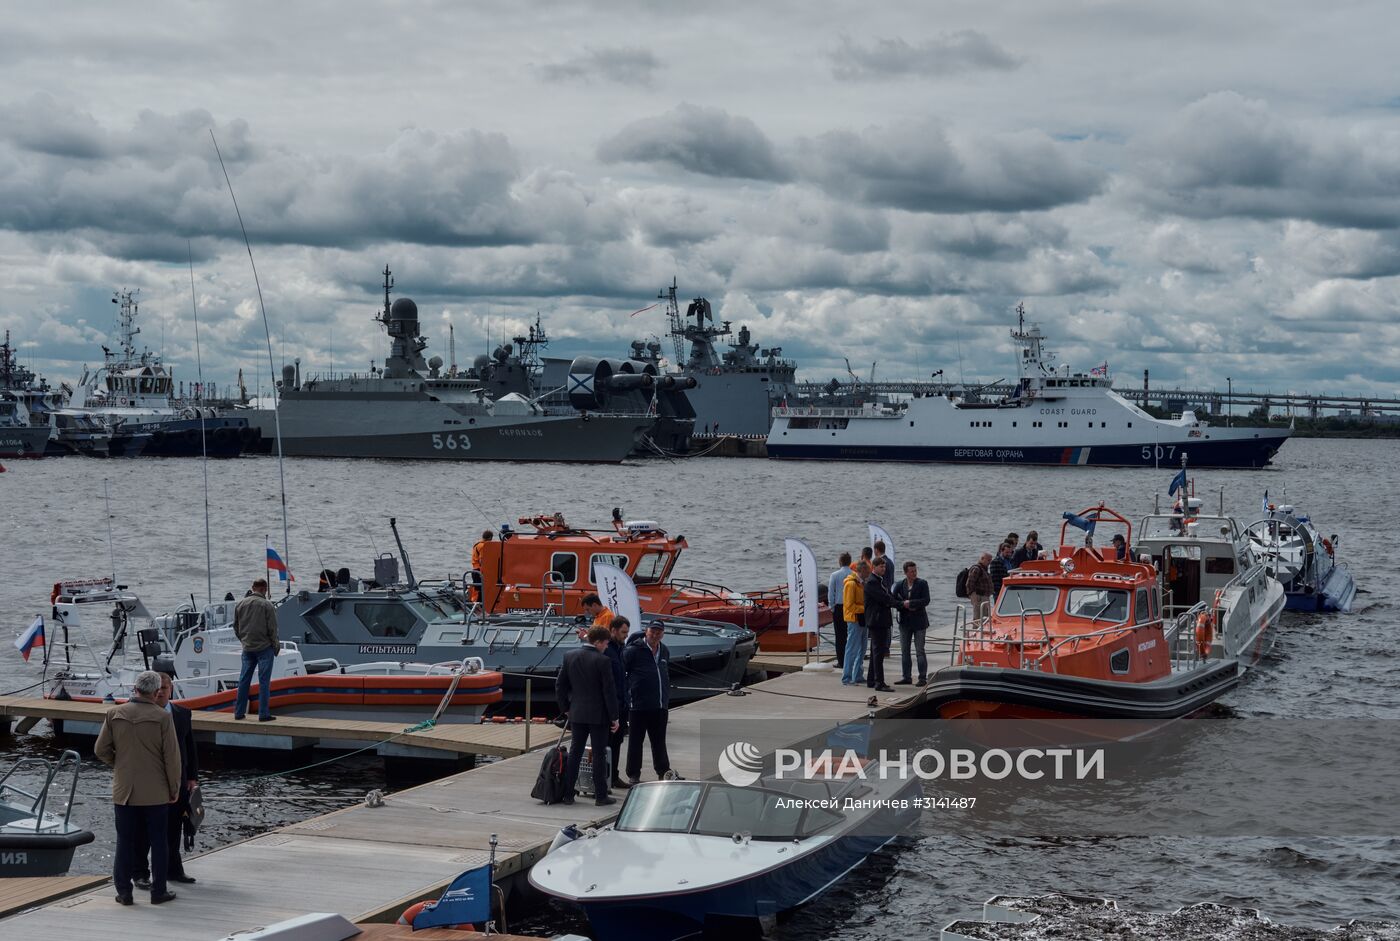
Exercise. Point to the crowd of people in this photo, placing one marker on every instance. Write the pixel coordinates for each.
(864, 597)
(616, 687)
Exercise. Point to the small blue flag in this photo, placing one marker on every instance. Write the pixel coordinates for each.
(466, 901)
(1080, 522)
(1178, 482)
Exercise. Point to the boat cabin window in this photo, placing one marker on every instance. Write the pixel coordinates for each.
(389, 619)
(1018, 598)
(652, 568)
(1220, 565)
(1098, 604)
(607, 558)
(563, 568)
(1119, 662)
(764, 814)
(665, 809)
(1141, 607)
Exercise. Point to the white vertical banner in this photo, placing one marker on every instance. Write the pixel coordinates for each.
(619, 594)
(802, 587)
(878, 534)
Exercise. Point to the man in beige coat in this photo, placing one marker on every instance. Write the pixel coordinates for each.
(138, 740)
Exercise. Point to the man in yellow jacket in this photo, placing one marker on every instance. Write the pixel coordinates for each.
(853, 610)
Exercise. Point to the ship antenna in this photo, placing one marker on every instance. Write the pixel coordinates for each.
(203, 435)
(271, 365)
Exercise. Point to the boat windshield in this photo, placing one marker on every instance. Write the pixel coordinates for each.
(1018, 598)
(722, 810)
(1098, 604)
(652, 567)
(665, 809)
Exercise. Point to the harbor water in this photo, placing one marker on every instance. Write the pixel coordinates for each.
(54, 525)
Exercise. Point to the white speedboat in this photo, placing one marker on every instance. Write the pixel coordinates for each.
(34, 839)
(200, 649)
(691, 857)
(1303, 560)
(1210, 572)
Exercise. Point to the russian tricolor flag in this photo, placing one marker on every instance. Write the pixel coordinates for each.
(275, 564)
(31, 638)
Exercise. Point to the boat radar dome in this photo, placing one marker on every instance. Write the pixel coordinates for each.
(404, 309)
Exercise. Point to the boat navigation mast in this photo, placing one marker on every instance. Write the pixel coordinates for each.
(673, 316)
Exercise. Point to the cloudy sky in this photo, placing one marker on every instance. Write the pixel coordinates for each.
(1201, 189)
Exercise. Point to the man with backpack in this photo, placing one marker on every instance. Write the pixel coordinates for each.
(979, 586)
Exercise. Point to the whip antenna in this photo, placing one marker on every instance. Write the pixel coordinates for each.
(271, 364)
(203, 435)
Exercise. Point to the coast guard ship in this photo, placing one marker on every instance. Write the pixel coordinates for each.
(1051, 417)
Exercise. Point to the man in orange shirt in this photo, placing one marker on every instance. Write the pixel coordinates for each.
(478, 551)
(593, 607)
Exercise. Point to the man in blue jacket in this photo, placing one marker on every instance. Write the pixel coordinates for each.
(648, 664)
(620, 627)
(912, 594)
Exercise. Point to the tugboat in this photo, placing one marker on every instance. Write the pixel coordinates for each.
(1084, 635)
(199, 647)
(1302, 559)
(693, 858)
(34, 839)
(552, 565)
(350, 620)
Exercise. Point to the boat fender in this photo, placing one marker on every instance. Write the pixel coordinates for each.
(413, 911)
(1327, 544)
(1205, 632)
(57, 590)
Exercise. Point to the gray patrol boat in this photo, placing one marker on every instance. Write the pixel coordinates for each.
(410, 409)
(349, 620)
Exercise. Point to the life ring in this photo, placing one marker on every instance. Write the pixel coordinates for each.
(413, 910)
(1205, 632)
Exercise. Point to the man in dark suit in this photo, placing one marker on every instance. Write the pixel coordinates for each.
(912, 594)
(879, 624)
(587, 695)
(189, 774)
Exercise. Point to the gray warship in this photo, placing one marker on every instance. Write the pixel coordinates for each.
(350, 620)
(411, 409)
(736, 390)
(24, 430)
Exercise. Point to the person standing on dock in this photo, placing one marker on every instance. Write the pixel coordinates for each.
(587, 695)
(648, 664)
(620, 628)
(879, 550)
(835, 588)
(979, 586)
(189, 777)
(879, 624)
(912, 594)
(255, 626)
(853, 610)
(138, 740)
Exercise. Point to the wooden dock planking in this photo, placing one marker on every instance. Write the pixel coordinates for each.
(16, 895)
(370, 863)
(500, 740)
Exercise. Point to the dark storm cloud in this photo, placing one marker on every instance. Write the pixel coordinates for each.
(920, 168)
(949, 54)
(708, 141)
(1225, 155)
(158, 183)
(622, 65)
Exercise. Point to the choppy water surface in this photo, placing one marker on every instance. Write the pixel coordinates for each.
(735, 514)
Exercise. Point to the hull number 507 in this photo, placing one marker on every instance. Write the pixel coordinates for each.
(1162, 451)
(452, 441)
